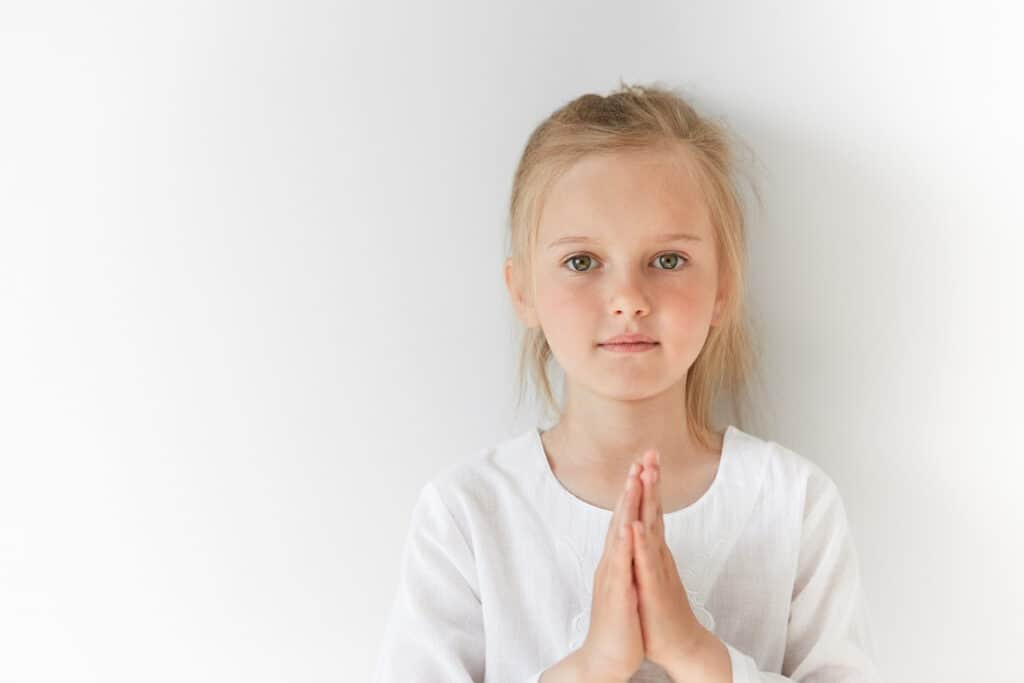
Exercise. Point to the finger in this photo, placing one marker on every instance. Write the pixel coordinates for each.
(630, 502)
(642, 560)
(623, 557)
(616, 521)
(651, 505)
(630, 509)
(618, 531)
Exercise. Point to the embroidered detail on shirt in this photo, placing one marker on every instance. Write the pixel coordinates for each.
(697, 579)
(578, 631)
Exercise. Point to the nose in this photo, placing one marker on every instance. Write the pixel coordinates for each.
(628, 298)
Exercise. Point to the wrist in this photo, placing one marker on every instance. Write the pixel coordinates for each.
(578, 666)
(686, 658)
(590, 671)
(707, 659)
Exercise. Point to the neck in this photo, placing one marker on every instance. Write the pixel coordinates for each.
(601, 434)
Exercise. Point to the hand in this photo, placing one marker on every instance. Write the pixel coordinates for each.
(614, 644)
(671, 631)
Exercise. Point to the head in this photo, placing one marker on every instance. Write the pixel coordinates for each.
(649, 184)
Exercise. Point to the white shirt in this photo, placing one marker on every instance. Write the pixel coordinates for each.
(497, 570)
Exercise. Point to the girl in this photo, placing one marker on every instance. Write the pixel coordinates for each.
(631, 541)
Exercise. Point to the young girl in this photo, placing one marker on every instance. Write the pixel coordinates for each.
(631, 541)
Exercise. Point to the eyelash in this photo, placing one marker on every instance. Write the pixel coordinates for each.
(685, 261)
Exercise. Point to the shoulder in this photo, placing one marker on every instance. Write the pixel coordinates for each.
(477, 484)
(785, 473)
(504, 460)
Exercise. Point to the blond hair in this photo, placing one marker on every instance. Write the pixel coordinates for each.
(649, 117)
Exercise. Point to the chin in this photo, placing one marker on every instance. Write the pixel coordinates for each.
(631, 390)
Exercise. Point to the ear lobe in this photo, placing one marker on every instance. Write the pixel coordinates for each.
(719, 305)
(716, 315)
(516, 293)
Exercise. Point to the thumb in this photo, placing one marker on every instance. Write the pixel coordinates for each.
(624, 553)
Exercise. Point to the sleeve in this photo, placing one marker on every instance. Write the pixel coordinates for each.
(828, 639)
(434, 632)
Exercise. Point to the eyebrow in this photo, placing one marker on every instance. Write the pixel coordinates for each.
(670, 237)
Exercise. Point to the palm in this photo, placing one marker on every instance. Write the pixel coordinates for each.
(615, 642)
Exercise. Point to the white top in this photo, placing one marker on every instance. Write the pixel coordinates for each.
(498, 566)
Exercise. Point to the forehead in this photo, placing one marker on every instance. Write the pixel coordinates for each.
(612, 197)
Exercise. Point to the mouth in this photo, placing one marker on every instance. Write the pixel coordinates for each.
(629, 347)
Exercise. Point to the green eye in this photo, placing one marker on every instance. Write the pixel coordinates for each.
(677, 256)
(574, 258)
(670, 255)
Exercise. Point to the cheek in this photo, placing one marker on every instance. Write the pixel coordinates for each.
(687, 308)
(567, 312)
(683, 301)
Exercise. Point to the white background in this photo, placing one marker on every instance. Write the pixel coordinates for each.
(251, 300)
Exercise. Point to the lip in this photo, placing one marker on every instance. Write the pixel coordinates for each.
(629, 348)
(629, 339)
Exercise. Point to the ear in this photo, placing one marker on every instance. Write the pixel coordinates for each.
(720, 300)
(517, 292)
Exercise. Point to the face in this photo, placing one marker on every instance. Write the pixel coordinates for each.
(627, 275)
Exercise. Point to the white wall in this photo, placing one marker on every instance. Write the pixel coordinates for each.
(251, 299)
